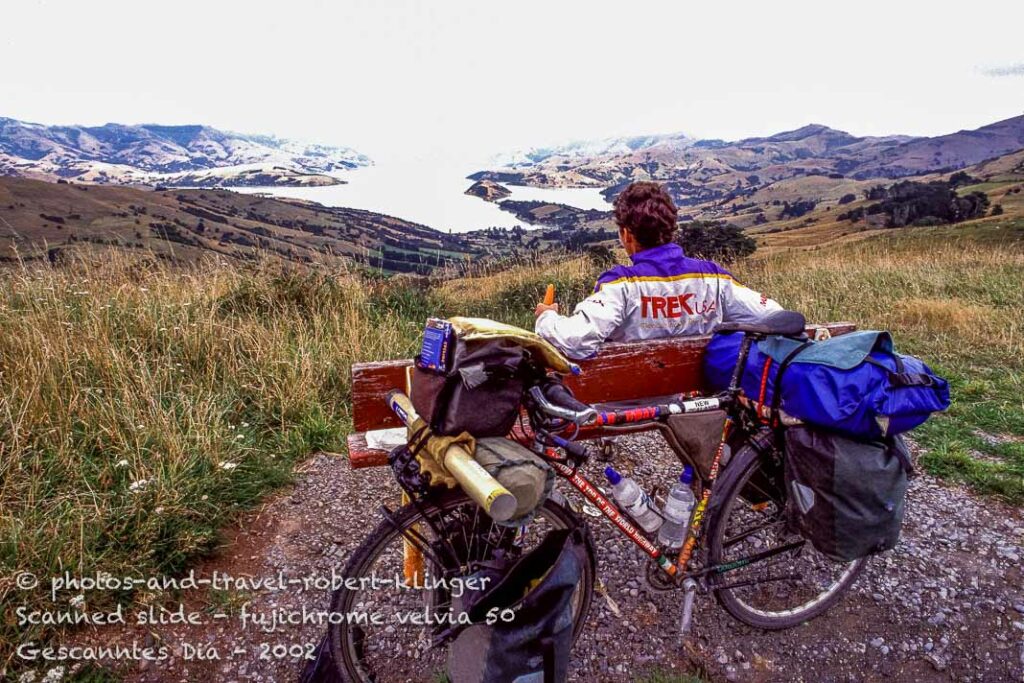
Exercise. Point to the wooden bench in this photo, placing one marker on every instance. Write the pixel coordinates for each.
(620, 372)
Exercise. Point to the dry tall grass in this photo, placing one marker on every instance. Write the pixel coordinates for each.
(141, 406)
(944, 298)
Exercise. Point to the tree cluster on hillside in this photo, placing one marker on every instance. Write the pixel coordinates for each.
(715, 240)
(913, 203)
(797, 208)
(875, 193)
(578, 239)
(600, 255)
(962, 178)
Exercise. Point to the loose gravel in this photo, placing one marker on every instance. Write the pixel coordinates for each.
(946, 604)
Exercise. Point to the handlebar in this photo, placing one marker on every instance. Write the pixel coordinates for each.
(558, 394)
(569, 409)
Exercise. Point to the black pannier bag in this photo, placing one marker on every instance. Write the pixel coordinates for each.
(480, 393)
(533, 646)
(845, 496)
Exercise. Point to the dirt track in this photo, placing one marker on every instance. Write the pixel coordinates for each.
(947, 604)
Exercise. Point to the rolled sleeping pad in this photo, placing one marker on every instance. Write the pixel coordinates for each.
(496, 500)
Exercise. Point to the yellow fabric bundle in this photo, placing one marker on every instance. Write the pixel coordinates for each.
(469, 329)
(430, 450)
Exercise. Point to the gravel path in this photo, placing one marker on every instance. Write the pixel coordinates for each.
(947, 604)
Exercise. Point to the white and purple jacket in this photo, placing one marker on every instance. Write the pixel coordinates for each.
(664, 293)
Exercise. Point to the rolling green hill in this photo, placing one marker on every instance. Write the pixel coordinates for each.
(796, 212)
(41, 220)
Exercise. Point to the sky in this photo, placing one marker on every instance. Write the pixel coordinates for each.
(458, 80)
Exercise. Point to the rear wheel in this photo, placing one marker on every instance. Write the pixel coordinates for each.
(452, 526)
(788, 587)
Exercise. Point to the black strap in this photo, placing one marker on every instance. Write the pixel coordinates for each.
(547, 645)
(783, 366)
(899, 448)
(418, 440)
(902, 378)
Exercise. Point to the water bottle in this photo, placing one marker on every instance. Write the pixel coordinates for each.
(676, 512)
(633, 501)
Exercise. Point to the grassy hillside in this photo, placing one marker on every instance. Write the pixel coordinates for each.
(1002, 179)
(143, 406)
(40, 220)
(791, 212)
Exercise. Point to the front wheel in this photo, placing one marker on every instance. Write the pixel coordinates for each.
(402, 645)
(783, 589)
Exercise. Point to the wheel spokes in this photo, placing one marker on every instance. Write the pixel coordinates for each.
(778, 572)
(456, 536)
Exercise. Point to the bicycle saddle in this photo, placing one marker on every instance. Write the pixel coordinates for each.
(789, 323)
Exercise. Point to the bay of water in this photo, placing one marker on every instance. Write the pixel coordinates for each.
(430, 195)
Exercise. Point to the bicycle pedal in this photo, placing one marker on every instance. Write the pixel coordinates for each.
(689, 594)
(580, 507)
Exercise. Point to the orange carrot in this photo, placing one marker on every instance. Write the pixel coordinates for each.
(549, 295)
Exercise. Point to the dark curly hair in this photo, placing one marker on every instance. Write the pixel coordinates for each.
(646, 210)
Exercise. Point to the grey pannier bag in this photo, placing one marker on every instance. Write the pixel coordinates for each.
(846, 497)
(522, 472)
(532, 647)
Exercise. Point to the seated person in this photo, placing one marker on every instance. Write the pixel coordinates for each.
(664, 293)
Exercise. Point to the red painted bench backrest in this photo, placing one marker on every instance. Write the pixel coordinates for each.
(620, 372)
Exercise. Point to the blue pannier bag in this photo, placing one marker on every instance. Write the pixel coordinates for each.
(853, 383)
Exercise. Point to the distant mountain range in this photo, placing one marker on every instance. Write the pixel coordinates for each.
(700, 171)
(166, 155)
(583, 149)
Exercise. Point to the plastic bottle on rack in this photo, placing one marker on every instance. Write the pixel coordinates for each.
(633, 501)
(676, 511)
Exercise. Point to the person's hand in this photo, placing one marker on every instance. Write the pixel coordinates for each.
(544, 307)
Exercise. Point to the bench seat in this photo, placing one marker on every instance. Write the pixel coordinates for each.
(632, 371)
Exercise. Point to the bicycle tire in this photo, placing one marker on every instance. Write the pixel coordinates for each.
(341, 639)
(745, 464)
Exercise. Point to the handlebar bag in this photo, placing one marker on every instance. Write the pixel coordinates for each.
(845, 496)
(480, 393)
(530, 642)
(854, 383)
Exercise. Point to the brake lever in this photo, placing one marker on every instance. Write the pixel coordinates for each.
(577, 452)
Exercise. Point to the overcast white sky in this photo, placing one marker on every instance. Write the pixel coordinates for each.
(469, 79)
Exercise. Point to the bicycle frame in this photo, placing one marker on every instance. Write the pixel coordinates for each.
(649, 414)
(611, 511)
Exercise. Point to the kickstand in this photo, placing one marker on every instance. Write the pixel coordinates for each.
(689, 593)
